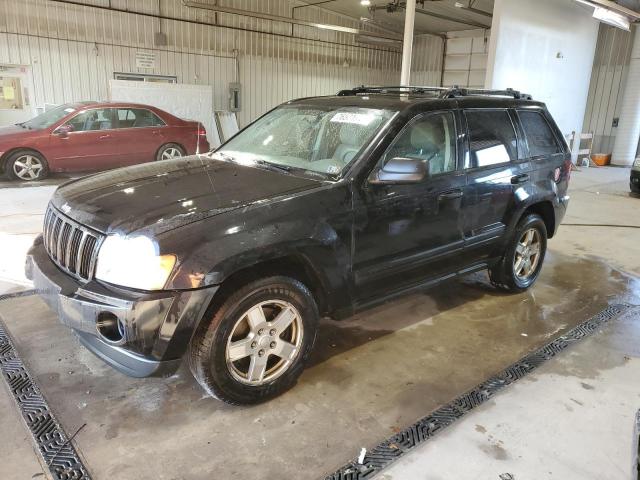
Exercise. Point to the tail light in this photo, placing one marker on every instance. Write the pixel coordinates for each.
(567, 167)
(202, 132)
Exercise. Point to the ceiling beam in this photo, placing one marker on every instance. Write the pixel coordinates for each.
(278, 18)
(402, 5)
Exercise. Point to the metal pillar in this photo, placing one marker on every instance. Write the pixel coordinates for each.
(407, 46)
(626, 144)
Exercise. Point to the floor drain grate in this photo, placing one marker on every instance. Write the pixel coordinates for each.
(393, 448)
(57, 451)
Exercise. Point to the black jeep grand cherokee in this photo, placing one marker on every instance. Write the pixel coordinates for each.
(324, 206)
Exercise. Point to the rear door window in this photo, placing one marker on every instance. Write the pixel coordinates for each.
(539, 135)
(492, 138)
(137, 118)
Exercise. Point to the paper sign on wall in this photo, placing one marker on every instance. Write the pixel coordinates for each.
(145, 60)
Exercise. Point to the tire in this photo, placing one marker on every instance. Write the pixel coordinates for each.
(170, 151)
(211, 358)
(26, 166)
(511, 275)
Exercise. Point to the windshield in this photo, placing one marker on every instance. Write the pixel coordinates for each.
(314, 139)
(48, 118)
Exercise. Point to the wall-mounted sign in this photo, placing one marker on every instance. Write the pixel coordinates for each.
(145, 60)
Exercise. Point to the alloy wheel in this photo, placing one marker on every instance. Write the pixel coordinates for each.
(527, 254)
(27, 167)
(170, 153)
(264, 342)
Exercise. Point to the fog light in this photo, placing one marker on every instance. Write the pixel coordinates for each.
(110, 327)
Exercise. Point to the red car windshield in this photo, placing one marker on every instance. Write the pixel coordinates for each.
(50, 117)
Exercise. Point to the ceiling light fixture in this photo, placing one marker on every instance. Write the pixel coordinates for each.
(612, 18)
(607, 15)
(365, 3)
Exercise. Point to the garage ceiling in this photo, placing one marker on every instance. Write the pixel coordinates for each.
(424, 23)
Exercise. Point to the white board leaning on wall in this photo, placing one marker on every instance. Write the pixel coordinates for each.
(189, 102)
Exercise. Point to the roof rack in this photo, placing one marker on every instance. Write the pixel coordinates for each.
(414, 90)
(442, 92)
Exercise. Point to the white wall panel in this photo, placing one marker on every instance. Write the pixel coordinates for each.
(545, 48)
(74, 50)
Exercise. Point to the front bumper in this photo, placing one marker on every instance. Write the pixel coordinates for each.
(157, 326)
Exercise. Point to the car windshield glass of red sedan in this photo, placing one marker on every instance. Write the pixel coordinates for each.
(49, 118)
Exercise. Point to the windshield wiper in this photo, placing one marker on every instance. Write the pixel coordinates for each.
(277, 166)
(21, 124)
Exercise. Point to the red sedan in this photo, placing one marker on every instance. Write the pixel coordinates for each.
(90, 136)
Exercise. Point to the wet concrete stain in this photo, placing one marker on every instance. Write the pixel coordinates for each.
(370, 374)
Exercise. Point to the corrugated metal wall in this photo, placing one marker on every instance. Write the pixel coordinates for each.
(426, 61)
(73, 50)
(607, 85)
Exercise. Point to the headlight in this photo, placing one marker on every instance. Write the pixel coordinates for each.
(636, 164)
(133, 262)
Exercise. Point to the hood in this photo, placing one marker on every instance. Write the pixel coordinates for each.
(13, 132)
(160, 196)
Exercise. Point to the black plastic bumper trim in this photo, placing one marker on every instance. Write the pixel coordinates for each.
(126, 362)
(426, 428)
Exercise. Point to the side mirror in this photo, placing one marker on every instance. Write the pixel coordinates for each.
(401, 170)
(63, 130)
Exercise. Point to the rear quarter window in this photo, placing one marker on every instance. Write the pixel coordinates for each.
(540, 137)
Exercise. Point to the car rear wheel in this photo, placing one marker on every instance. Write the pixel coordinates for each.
(254, 346)
(522, 261)
(27, 166)
(170, 151)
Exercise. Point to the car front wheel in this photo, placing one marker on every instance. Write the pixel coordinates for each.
(254, 346)
(521, 263)
(27, 166)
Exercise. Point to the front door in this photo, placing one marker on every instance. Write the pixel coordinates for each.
(85, 142)
(406, 234)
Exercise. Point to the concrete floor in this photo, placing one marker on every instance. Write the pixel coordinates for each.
(372, 375)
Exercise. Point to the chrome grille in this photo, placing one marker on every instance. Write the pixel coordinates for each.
(72, 247)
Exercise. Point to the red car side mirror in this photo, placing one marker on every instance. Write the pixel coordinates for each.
(63, 130)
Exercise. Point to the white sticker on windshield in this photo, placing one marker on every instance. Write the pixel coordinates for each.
(333, 169)
(356, 118)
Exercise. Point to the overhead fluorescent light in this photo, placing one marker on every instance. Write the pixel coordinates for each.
(365, 3)
(612, 18)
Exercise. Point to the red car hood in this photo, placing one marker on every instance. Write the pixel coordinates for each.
(13, 133)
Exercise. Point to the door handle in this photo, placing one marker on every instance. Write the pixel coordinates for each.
(452, 195)
(104, 137)
(522, 178)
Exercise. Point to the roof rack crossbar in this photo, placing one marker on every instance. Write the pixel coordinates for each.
(456, 91)
(443, 92)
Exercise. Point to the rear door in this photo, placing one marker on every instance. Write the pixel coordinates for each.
(141, 133)
(89, 145)
(496, 167)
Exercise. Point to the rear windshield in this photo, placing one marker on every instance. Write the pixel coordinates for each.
(314, 139)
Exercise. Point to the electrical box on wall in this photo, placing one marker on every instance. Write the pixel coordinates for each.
(234, 97)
